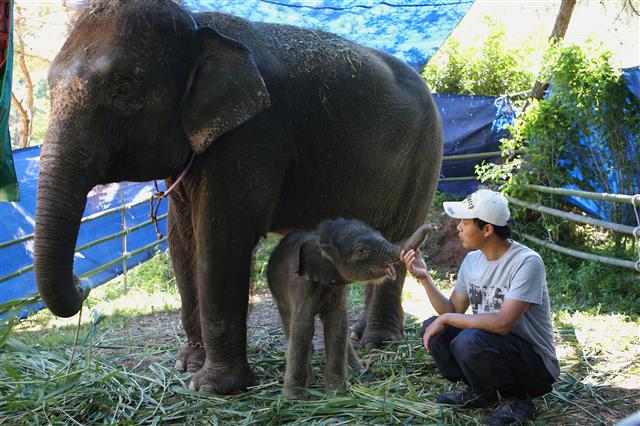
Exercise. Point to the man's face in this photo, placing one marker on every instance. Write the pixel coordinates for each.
(471, 236)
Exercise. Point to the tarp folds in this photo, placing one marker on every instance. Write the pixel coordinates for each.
(608, 175)
(632, 79)
(472, 124)
(8, 180)
(411, 30)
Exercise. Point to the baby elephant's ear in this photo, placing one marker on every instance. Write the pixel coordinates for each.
(314, 267)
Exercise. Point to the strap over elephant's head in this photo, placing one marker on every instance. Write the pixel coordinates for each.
(225, 89)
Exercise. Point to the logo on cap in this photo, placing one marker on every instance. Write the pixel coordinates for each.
(469, 201)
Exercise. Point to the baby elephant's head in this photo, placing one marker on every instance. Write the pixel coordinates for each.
(347, 250)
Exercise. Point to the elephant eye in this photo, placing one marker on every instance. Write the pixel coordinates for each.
(124, 88)
(125, 97)
(361, 252)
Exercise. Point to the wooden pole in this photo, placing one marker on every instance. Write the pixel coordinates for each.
(559, 30)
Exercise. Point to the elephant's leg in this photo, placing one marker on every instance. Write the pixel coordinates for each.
(336, 329)
(310, 375)
(384, 311)
(353, 359)
(285, 318)
(191, 357)
(358, 329)
(235, 192)
(223, 265)
(299, 351)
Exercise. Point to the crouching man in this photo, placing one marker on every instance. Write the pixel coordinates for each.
(505, 348)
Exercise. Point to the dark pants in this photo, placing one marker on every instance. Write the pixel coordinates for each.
(490, 362)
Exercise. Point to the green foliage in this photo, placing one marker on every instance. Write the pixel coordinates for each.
(490, 70)
(441, 197)
(261, 255)
(575, 285)
(588, 102)
(40, 113)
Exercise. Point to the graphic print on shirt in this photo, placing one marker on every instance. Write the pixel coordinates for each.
(485, 299)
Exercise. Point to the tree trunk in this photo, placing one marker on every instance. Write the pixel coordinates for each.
(559, 30)
(28, 84)
(24, 120)
(25, 111)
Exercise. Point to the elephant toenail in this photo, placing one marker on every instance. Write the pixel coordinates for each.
(206, 388)
(193, 367)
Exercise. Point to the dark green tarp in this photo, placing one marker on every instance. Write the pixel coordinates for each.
(8, 181)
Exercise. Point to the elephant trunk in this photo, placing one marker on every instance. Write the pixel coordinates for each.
(416, 240)
(62, 195)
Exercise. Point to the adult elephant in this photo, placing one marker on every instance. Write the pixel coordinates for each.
(290, 127)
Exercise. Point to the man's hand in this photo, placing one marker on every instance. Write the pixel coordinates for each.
(433, 332)
(415, 265)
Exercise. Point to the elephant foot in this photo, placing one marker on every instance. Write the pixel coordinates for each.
(377, 338)
(292, 392)
(234, 379)
(191, 358)
(333, 388)
(311, 376)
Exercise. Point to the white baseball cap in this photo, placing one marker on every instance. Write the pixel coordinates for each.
(483, 204)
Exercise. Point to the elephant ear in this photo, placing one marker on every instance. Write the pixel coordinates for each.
(315, 267)
(225, 89)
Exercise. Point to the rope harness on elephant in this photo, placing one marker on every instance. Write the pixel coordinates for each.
(160, 195)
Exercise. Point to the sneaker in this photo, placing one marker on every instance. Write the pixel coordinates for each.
(512, 411)
(468, 398)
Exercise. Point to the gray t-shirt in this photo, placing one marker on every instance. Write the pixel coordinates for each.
(519, 275)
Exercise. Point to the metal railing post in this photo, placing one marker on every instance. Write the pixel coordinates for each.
(123, 222)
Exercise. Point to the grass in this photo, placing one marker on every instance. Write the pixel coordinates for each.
(120, 370)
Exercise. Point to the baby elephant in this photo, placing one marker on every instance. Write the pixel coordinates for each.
(307, 274)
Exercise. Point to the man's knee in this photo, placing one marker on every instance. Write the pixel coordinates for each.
(426, 324)
(469, 342)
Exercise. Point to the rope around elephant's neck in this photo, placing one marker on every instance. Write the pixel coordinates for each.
(160, 195)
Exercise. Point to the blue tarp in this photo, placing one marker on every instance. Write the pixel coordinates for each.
(472, 124)
(632, 78)
(412, 30)
(614, 181)
(17, 219)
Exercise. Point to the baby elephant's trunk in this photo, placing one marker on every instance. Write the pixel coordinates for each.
(418, 237)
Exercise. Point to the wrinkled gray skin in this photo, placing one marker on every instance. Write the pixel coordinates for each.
(307, 274)
(290, 127)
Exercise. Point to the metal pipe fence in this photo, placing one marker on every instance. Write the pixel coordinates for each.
(634, 200)
(89, 218)
(121, 234)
